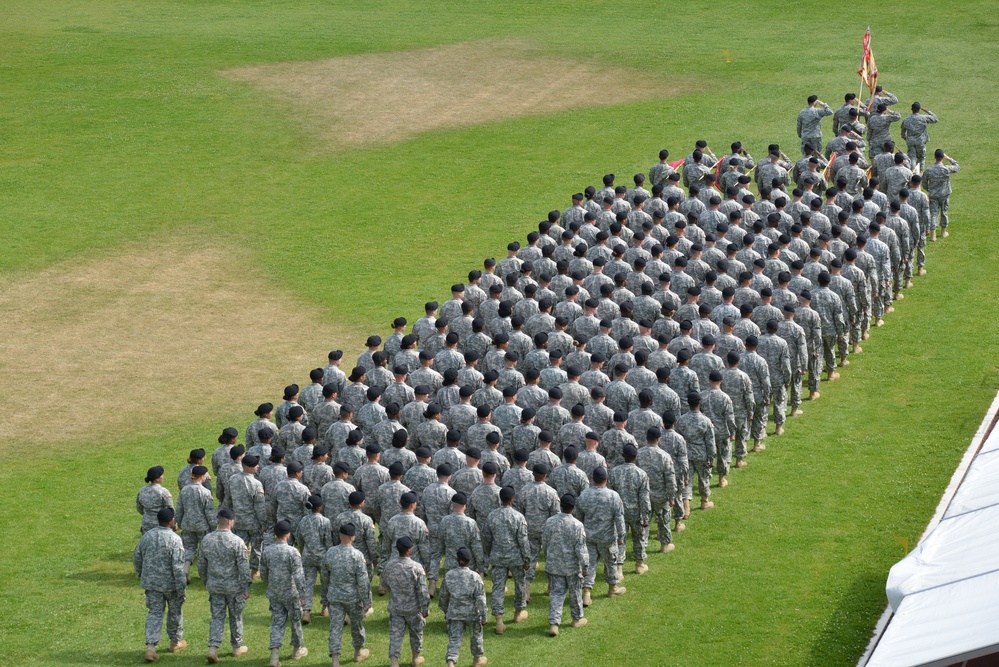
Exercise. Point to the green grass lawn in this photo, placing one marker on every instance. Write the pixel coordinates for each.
(115, 127)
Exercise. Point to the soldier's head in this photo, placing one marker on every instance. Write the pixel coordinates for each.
(490, 469)
(408, 501)
(341, 470)
(165, 517)
(282, 529)
(404, 545)
(225, 518)
(347, 532)
(629, 452)
(506, 495)
(567, 503)
(315, 503)
(396, 470)
(938, 155)
(251, 464)
(458, 502)
(600, 476)
(373, 452)
(294, 470)
(199, 474)
(472, 457)
(694, 400)
(356, 500)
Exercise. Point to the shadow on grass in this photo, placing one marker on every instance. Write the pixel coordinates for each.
(113, 569)
(849, 628)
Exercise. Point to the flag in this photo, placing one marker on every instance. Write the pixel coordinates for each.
(676, 163)
(868, 69)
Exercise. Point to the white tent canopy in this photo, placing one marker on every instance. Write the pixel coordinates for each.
(945, 594)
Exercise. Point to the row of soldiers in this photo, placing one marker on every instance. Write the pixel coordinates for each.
(580, 382)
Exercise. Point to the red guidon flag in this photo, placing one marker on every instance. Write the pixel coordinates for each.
(868, 69)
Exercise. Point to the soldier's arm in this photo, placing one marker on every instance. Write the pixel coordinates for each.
(242, 566)
(137, 559)
(444, 595)
(177, 565)
(363, 582)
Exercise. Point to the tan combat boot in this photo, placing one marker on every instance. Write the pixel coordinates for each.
(334, 661)
(899, 297)
(722, 482)
(552, 632)
(433, 588)
(520, 615)
(686, 508)
(381, 587)
(395, 662)
(831, 376)
(275, 658)
(361, 654)
(306, 617)
(579, 622)
(187, 572)
(151, 654)
(666, 548)
(814, 396)
(908, 283)
(945, 233)
(758, 446)
(213, 655)
(299, 652)
(889, 309)
(741, 463)
(779, 430)
(614, 590)
(240, 651)
(418, 660)
(641, 567)
(500, 626)
(325, 613)
(797, 412)
(856, 349)
(706, 504)
(843, 361)
(479, 661)
(922, 271)
(177, 647)
(679, 527)
(933, 236)
(254, 575)
(587, 599)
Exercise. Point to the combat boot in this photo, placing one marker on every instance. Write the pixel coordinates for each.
(275, 658)
(177, 647)
(500, 627)
(922, 271)
(856, 349)
(587, 600)
(254, 575)
(666, 548)
(151, 654)
(742, 463)
(722, 482)
(299, 652)
(843, 361)
(780, 430)
(889, 309)
(306, 617)
(479, 661)
(240, 651)
(706, 504)
(450, 663)
(641, 567)
(325, 613)
(433, 588)
(520, 615)
(908, 283)
(334, 661)
(814, 396)
(213, 655)
(758, 446)
(933, 236)
(866, 334)
(686, 508)
(832, 376)
(381, 587)
(945, 233)
(579, 622)
(187, 572)
(614, 590)
(679, 527)
(361, 654)
(418, 660)
(552, 632)
(394, 662)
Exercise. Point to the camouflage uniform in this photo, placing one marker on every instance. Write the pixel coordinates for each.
(419, 477)
(504, 538)
(463, 600)
(225, 572)
(632, 484)
(365, 540)
(348, 593)
(335, 498)
(249, 505)
(281, 570)
(315, 534)
(739, 387)
(563, 540)
(699, 434)
(195, 517)
(936, 179)
(567, 478)
(455, 531)
(602, 513)
(797, 347)
(409, 601)
(517, 477)
(369, 478)
(159, 561)
(811, 324)
(663, 487)
(538, 501)
(482, 501)
(387, 498)
(413, 527)
(150, 500)
(775, 352)
(830, 309)
(288, 503)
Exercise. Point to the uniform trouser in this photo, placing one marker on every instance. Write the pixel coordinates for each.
(887, 295)
(919, 250)
(863, 321)
(742, 423)
(814, 142)
(220, 603)
(283, 611)
(917, 154)
(939, 207)
(723, 454)
(607, 552)
(456, 635)
(758, 425)
(899, 275)
(191, 541)
(498, 574)
(534, 544)
(338, 610)
(157, 603)
(877, 304)
(558, 588)
(398, 623)
(814, 369)
(311, 570)
(703, 470)
(639, 536)
(661, 511)
(795, 389)
(829, 349)
(435, 557)
(778, 396)
(254, 544)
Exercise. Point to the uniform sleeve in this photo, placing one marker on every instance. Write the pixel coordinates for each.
(423, 593)
(243, 567)
(480, 600)
(619, 527)
(444, 595)
(138, 504)
(137, 559)
(180, 511)
(177, 566)
(522, 543)
(203, 564)
(582, 554)
(208, 507)
(644, 501)
(297, 574)
(264, 566)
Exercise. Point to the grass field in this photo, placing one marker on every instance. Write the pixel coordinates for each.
(125, 151)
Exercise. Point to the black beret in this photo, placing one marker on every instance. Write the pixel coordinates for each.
(154, 473)
(250, 461)
(348, 529)
(459, 499)
(356, 497)
(226, 513)
(540, 469)
(600, 474)
(507, 493)
(282, 528)
(165, 515)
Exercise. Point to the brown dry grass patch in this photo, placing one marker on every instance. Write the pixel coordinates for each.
(149, 336)
(381, 98)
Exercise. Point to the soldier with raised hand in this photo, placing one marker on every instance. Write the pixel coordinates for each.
(879, 128)
(195, 515)
(632, 484)
(348, 593)
(567, 563)
(152, 498)
(663, 488)
(937, 181)
(915, 136)
(409, 601)
(315, 533)
(699, 434)
(224, 569)
(463, 601)
(504, 539)
(281, 570)
(810, 123)
(365, 540)
(159, 562)
(602, 513)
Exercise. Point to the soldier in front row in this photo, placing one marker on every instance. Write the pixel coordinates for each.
(567, 563)
(225, 571)
(281, 570)
(348, 593)
(462, 598)
(409, 601)
(159, 561)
